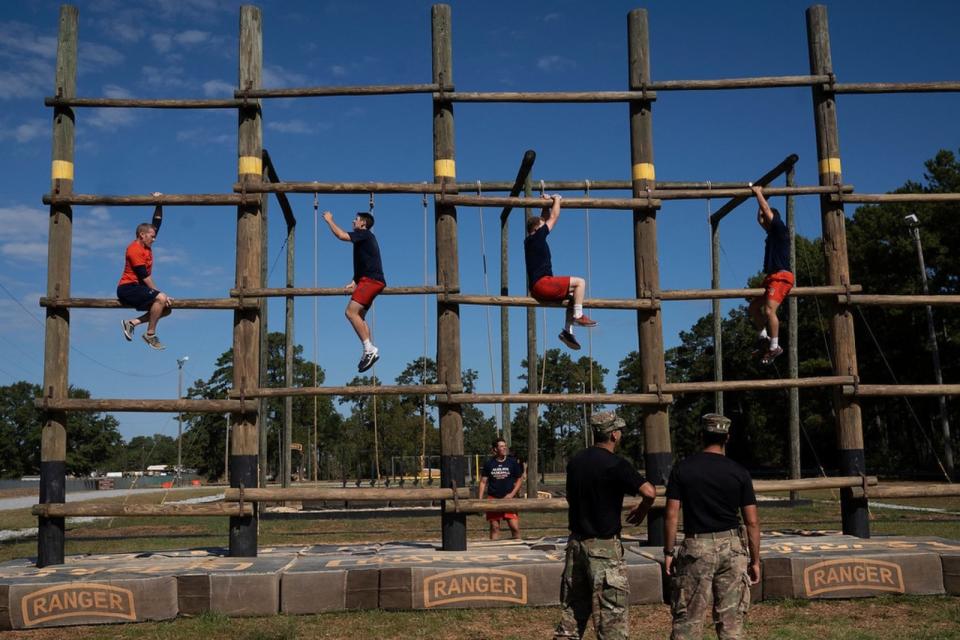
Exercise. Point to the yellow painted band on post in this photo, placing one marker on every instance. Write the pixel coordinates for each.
(830, 165)
(61, 170)
(644, 171)
(444, 169)
(250, 164)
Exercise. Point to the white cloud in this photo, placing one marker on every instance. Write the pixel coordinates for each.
(213, 88)
(115, 91)
(23, 233)
(275, 76)
(30, 251)
(110, 119)
(205, 137)
(192, 37)
(26, 131)
(93, 57)
(21, 223)
(20, 38)
(289, 126)
(550, 17)
(555, 63)
(161, 42)
(26, 61)
(166, 77)
(338, 70)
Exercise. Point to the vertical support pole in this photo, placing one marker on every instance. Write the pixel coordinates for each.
(288, 359)
(793, 360)
(505, 327)
(246, 322)
(262, 403)
(533, 409)
(452, 463)
(717, 319)
(656, 426)
(53, 437)
(849, 428)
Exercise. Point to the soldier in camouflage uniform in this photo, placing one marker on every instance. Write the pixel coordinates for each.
(718, 559)
(595, 577)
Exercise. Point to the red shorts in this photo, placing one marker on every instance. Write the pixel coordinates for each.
(496, 516)
(551, 288)
(366, 290)
(778, 285)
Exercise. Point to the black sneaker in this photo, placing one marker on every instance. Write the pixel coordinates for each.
(568, 339)
(771, 355)
(763, 345)
(368, 359)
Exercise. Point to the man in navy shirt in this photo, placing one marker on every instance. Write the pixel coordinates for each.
(546, 287)
(595, 575)
(367, 282)
(500, 479)
(776, 284)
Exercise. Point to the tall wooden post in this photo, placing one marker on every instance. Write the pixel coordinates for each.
(452, 462)
(288, 359)
(656, 426)
(717, 319)
(533, 409)
(793, 362)
(53, 438)
(505, 327)
(246, 322)
(263, 468)
(849, 427)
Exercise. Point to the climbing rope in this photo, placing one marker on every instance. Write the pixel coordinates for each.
(586, 235)
(316, 337)
(486, 292)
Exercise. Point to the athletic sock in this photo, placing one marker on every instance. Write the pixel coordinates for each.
(774, 343)
(568, 327)
(368, 346)
(763, 334)
(577, 310)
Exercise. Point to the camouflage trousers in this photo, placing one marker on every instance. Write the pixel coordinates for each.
(594, 584)
(710, 573)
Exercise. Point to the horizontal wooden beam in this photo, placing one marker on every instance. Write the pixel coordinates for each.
(183, 405)
(872, 198)
(894, 87)
(762, 181)
(167, 199)
(144, 103)
(566, 203)
(746, 193)
(283, 292)
(113, 303)
(526, 301)
(120, 510)
(751, 385)
(358, 494)
(863, 390)
(555, 398)
(712, 294)
(907, 300)
(546, 96)
(756, 82)
(358, 90)
(925, 490)
(277, 186)
(347, 391)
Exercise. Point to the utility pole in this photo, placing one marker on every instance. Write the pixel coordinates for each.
(180, 362)
(914, 224)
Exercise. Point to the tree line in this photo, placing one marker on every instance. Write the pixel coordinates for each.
(902, 437)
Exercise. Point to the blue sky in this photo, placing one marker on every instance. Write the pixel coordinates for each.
(188, 48)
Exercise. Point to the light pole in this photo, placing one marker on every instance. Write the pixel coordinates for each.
(180, 362)
(914, 224)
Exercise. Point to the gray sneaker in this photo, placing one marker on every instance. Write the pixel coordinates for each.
(127, 326)
(153, 341)
(368, 360)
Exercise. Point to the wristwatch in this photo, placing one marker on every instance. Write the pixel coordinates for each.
(667, 552)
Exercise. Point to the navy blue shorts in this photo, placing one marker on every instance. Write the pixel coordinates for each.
(138, 296)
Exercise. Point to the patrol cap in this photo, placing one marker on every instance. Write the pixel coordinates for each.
(606, 422)
(715, 423)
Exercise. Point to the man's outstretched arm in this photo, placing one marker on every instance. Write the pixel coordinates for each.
(554, 214)
(764, 213)
(337, 231)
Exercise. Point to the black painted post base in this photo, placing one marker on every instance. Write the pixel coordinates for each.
(243, 530)
(453, 526)
(658, 471)
(854, 512)
(50, 531)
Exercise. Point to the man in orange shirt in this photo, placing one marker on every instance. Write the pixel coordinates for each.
(136, 287)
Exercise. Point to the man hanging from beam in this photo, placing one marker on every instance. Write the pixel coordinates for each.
(777, 282)
(368, 280)
(136, 287)
(546, 287)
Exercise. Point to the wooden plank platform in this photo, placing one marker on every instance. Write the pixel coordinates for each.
(135, 587)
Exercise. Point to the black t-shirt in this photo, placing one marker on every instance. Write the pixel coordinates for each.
(596, 483)
(537, 253)
(711, 488)
(776, 249)
(501, 476)
(366, 256)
